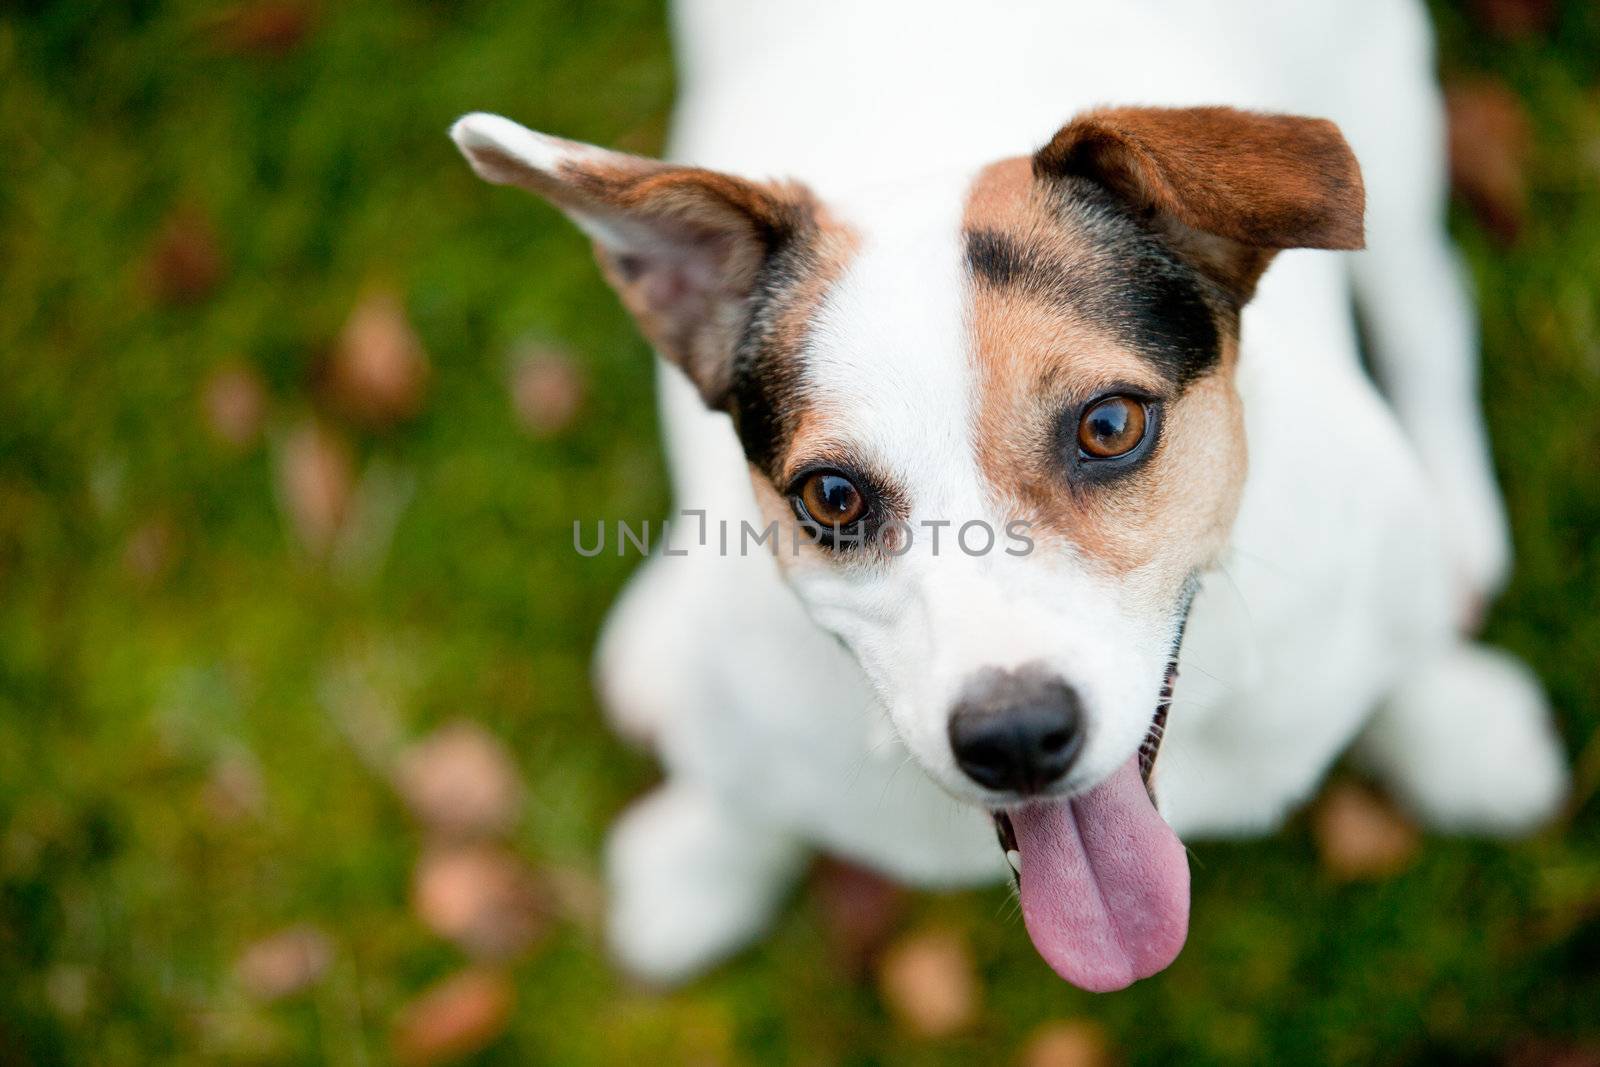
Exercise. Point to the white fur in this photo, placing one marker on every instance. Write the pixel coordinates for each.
(1366, 530)
(537, 150)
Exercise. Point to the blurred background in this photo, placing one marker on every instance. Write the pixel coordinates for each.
(299, 760)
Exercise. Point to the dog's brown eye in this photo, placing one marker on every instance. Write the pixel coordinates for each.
(1112, 427)
(831, 499)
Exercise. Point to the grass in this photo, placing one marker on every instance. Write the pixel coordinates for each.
(159, 618)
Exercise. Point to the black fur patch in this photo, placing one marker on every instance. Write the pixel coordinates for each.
(764, 386)
(999, 260)
(1130, 283)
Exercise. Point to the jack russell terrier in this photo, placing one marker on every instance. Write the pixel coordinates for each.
(931, 325)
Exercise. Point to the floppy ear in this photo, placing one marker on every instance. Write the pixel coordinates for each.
(1228, 188)
(682, 246)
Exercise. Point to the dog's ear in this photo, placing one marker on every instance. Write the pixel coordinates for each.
(682, 246)
(1228, 188)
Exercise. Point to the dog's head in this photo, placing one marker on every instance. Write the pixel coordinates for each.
(1002, 405)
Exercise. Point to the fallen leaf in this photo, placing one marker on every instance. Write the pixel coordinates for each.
(379, 371)
(234, 403)
(480, 897)
(285, 963)
(1070, 1043)
(1360, 836)
(460, 782)
(1490, 145)
(1515, 18)
(315, 477)
(927, 981)
(458, 1016)
(860, 909)
(268, 27)
(547, 390)
(184, 263)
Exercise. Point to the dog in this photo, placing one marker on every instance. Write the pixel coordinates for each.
(1000, 272)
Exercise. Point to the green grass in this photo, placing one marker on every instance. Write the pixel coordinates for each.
(124, 898)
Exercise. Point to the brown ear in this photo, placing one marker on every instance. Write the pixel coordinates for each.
(682, 246)
(1228, 187)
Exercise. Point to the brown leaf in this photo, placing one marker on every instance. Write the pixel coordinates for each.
(184, 263)
(1515, 18)
(460, 782)
(480, 897)
(379, 371)
(927, 981)
(1490, 145)
(315, 476)
(285, 963)
(1070, 1043)
(547, 390)
(454, 1018)
(860, 909)
(234, 402)
(1360, 836)
(266, 27)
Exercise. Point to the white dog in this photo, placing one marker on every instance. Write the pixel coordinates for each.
(1007, 394)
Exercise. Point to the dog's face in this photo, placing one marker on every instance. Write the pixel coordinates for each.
(1000, 407)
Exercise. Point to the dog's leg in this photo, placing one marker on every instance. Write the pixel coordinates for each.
(640, 666)
(1414, 301)
(1467, 742)
(691, 881)
(1228, 787)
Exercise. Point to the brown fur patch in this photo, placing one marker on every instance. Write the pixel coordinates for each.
(1232, 185)
(1224, 190)
(1038, 358)
(690, 251)
(734, 226)
(723, 275)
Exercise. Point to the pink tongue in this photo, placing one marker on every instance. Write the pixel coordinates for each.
(1105, 883)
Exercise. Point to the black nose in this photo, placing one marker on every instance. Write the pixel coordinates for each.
(1018, 731)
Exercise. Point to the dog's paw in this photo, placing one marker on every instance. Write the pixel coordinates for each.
(690, 884)
(1468, 743)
